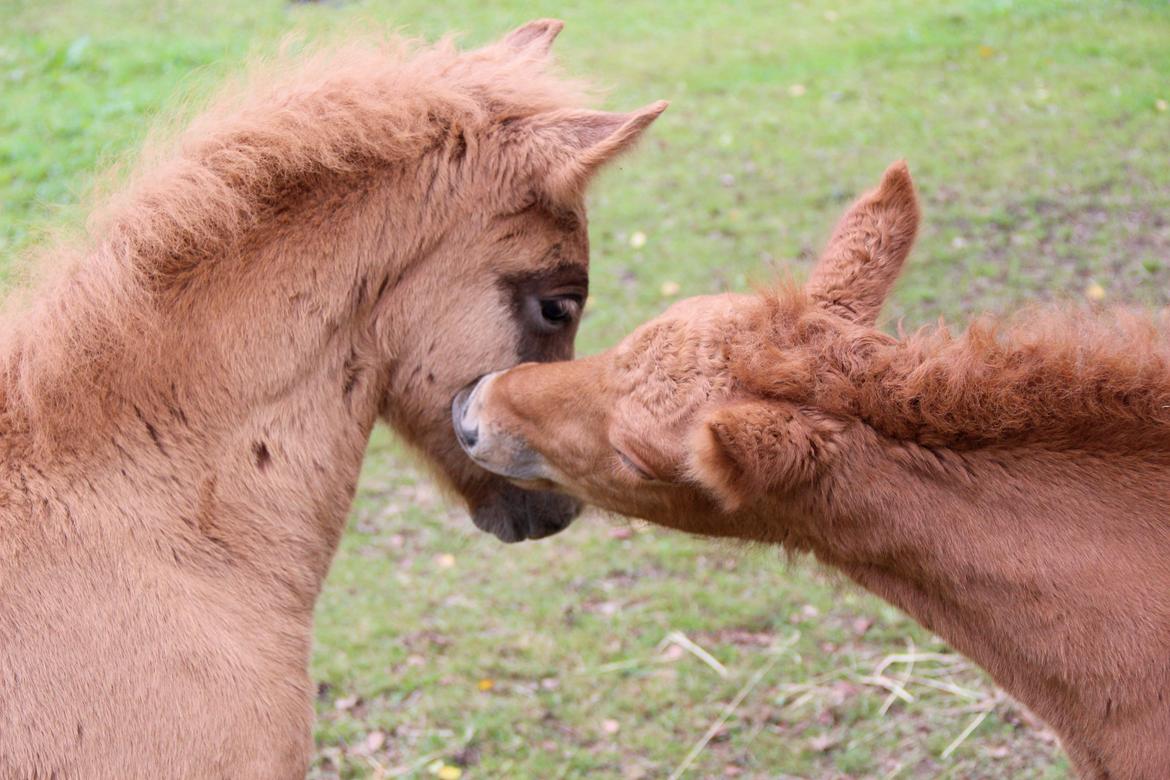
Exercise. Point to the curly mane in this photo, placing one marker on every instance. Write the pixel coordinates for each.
(1056, 377)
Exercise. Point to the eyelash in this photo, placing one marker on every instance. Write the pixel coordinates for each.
(624, 462)
(560, 310)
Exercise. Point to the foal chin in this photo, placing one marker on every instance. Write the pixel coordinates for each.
(527, 509)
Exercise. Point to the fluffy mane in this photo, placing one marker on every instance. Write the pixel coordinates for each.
(197, 194)
(332, 110)
(336, 110)
(1056, 377)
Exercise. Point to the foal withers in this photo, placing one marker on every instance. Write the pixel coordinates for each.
(1008, 487)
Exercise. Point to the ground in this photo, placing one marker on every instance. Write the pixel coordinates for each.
(1038, 134)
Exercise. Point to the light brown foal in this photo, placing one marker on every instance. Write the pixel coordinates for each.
(185, 402)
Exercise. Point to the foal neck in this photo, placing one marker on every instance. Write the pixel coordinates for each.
(236, 419)
(1047, 568)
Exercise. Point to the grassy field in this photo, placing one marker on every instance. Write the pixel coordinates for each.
(1039, 134)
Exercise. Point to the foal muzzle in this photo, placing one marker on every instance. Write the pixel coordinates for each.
(497, 450)
(513, 514)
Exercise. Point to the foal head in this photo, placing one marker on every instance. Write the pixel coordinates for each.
(381, 221)
(503, 271)
(677, 424)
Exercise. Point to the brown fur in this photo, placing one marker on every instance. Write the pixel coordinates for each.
(1060, 377)
(186, 398)
(1009, 487)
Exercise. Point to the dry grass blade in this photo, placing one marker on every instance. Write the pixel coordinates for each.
(951, 688)
(731, 707)
(683, 641)
(974, 724)
(944, 663)
(897, 690)
(895, 695)
(944, 659)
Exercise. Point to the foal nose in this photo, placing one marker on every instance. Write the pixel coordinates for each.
(466, 428)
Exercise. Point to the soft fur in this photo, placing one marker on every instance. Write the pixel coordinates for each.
(185, 399)
(1009, 487)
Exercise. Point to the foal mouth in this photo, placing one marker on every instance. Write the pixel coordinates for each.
(515, 514)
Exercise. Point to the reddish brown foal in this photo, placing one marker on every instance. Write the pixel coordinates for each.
(1008, 487)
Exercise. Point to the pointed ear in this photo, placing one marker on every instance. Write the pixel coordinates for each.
(536, 37)
(748, 449)
(869, 245)
(586, 140)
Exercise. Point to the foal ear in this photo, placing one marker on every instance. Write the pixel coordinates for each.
(536, 37)
(747, 449)
(589, 139)
(869, 245)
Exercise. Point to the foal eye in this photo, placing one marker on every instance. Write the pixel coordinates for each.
(558, 311)
(634, 466)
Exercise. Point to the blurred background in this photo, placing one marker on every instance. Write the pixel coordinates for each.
(1039, 135)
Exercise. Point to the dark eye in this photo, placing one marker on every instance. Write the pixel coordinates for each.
(558, 311)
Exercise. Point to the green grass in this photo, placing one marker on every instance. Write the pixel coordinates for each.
(1035, 132)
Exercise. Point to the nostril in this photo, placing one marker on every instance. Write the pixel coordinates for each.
(467, 436)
